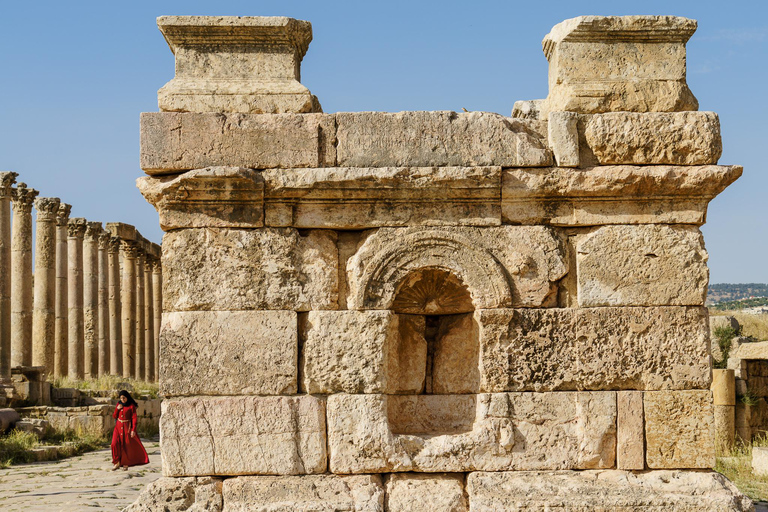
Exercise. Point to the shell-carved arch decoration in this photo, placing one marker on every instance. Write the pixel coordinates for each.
(501, 267)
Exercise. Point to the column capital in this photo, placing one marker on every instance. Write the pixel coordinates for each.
(76, 227)
(92, 231)
(129, 248)
(157, 266)
(114, 245)
(47, 208)
(23, 198)
(104, 240)
(62, 215)
(7, 179)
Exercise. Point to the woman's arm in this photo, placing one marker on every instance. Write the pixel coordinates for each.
(133, 419)
(117, 411)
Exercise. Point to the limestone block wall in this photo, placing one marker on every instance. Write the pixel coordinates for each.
(395, 311)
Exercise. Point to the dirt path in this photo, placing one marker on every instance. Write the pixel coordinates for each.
(76, 484)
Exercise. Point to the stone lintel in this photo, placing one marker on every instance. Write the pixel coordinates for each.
(616, 194)
(123, 231)
(211, 197)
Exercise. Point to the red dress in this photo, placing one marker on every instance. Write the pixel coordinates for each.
(127, 450)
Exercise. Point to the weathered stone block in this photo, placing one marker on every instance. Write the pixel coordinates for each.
(443, 138)
(604, 491)
(564, 138)
(191, 494)
(756, 350)
(510, 431)
(363, 493)
(642, 266)
(243, 436)
(233, 269)
(630, 431)
(412, 492)
(593, 348)
(221, 197)
(612, 194)
(679, 429)
(174, 142)
(348, 351)
(628, 68)
(228, 353)
(236, 64)
(679, 138)
(355, 198)
(499, 266)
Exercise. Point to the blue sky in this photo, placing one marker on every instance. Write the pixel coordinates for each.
(76, 75)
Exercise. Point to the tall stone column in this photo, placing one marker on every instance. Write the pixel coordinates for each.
(128, 306)
(61, 323)
(104, 345)
(21, 276)
(91, 298)
(75, 233)
(7, 180)
(157, 307)
(44, 315)
(149, 323)
(115, 339)
(140, 361)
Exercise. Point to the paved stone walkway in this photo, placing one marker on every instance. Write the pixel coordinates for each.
(76, 484)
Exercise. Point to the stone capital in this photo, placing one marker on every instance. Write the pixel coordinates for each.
(157, 266)
(23, 198)
(76, 227)
(47, 208)
(236, 64)
(7, 179)
(113, 245)
(62, 215)
(129, 248)
(104, 240)
(92, 231)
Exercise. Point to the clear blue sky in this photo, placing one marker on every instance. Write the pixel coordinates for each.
(76, 75)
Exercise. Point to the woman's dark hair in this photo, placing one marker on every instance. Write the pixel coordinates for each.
(127, 395)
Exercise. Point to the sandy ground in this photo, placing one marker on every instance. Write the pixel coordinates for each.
(80, 483)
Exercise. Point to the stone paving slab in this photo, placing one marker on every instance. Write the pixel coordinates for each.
(77, 483)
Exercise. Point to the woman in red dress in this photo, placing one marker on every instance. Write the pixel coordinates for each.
(127, 449)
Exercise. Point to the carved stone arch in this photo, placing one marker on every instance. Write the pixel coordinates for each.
(389, 256)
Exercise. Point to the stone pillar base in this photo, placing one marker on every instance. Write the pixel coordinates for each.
(669, 490)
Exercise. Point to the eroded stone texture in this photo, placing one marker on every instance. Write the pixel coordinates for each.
(222, 197)
(358, 198)
(228, 353)
(243, 436)
(604, 491)
(630, 434)
(233, 269)
(501, 266)
(564, 138)
(511, 431)
(348, 351)
(173, 142)
(426, 493)
(622, 194)
(236, 64)
(443, 138)
(310, 493)
(642, 266)
(679, 429)
(190, 494)
(611, 63)
(593, 348)
(679, 138)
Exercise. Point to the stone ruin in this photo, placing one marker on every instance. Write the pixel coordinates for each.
(434, 310)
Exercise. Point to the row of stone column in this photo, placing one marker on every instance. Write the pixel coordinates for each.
(95, 305)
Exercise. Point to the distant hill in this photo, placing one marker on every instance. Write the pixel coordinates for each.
(723, 292)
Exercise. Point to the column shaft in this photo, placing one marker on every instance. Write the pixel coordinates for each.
(140, 361)
(157, 306)
(61, 325)
(44, 314)
(104, 345)
(115, 339)
(75, 233)
(91, 298)
(128, 307)
(21, 277)
(6, 182)
(149, 324)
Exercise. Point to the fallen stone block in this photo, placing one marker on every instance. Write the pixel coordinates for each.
(243, 436)
(228, 353)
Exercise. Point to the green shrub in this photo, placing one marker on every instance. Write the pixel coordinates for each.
(15, 446)
(724, 336)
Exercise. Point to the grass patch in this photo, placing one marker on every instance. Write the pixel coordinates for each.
(754, 326)
(16, 446)
(736, 465)
(106, 382)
